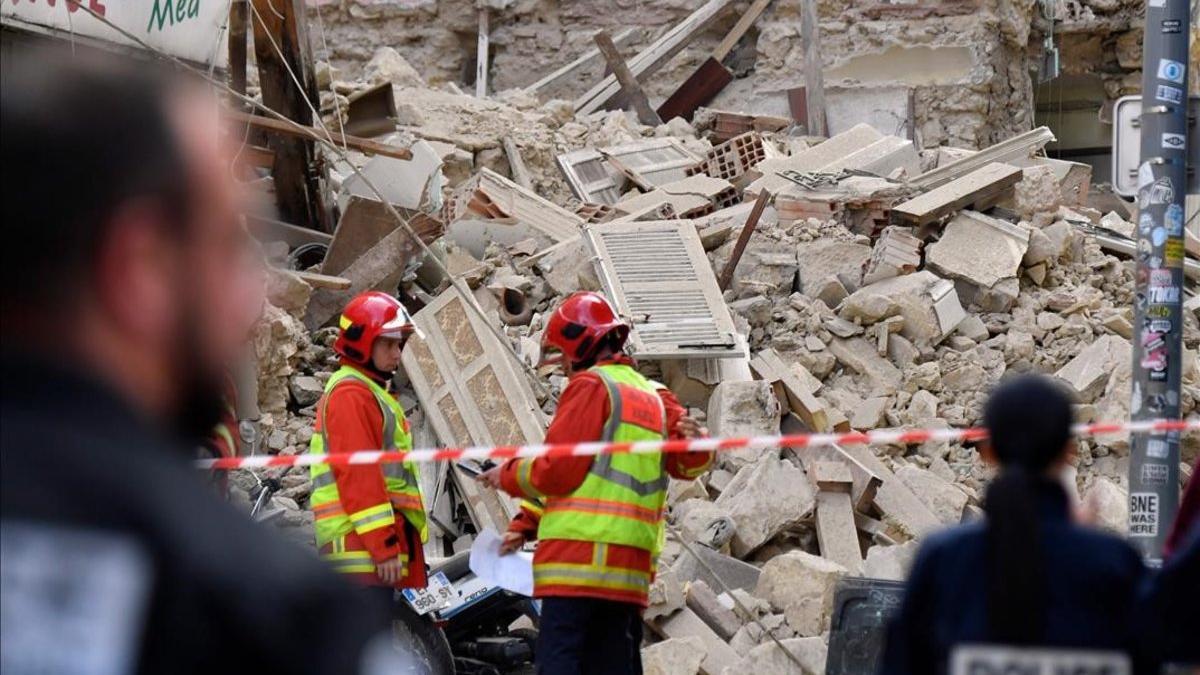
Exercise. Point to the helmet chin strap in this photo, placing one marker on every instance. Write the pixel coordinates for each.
(381, 374)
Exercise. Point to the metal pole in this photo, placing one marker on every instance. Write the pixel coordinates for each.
(1158, 308)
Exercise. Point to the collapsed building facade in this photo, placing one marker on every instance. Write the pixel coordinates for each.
(890, 276)
(950, 229)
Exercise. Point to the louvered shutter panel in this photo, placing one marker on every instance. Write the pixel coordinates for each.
(590, 176)
(654, 162)
(658, 277)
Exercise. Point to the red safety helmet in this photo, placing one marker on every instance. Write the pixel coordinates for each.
(368, 316)
(577, 325)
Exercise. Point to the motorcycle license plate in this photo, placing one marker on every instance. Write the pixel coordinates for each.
(437, 595)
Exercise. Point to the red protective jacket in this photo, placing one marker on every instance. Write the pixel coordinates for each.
(582, 411)
(354, 422)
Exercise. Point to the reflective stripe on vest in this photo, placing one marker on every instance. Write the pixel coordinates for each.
(331, 522)
(354, 562)
(621, 499)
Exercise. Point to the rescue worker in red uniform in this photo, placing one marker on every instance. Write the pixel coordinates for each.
(369, 518)
(602, 516)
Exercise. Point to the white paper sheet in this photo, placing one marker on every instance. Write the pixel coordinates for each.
(512, 572)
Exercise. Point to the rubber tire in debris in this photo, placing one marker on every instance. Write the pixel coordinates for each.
(418, 636)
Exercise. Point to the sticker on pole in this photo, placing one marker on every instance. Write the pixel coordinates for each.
(997, 660)
(1169, 94)
(1171, 71)
(1174, 141)
(1143, 514)
(437, 595)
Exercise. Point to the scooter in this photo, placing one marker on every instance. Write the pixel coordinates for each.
(473, 619)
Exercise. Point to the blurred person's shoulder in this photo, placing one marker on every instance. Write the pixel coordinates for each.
(1095, 548)
(79, 465)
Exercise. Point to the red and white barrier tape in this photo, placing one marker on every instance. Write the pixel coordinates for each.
(882, 436)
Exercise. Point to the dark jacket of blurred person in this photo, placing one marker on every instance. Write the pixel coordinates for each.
(1026, 576)
(127, 290)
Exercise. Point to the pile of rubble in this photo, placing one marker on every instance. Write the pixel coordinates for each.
(867, 285)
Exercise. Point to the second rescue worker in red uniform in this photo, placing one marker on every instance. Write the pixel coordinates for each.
(369, 518)
(599, 531)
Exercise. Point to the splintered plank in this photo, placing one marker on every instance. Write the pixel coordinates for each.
(796, 393)
(976, 187)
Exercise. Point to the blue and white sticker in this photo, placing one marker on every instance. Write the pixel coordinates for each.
(1174, 141)
(1163, 295)
(1165, 92)
(1171, 71)
(1158, 235)
(1173, 220)
(1157, 448)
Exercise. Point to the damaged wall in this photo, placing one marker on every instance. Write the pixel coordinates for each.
(967, 64)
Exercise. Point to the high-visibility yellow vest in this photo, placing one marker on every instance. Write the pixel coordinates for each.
(331, 522)
(621, 500)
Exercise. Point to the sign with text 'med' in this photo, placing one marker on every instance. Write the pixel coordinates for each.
(193, 30)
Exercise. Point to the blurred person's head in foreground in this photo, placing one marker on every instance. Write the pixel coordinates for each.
(1029, 427)
(124, 254)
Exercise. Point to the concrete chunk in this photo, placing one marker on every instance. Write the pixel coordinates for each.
(764, 499)
(861, 357)
(718, 655)
(738, 409)
(944, 499)
(769, 659)
(1110, 503)
(978, 249)
(820, 263)
(801, 586)
(1088, 372)
(730, 571)
(928, 304)
(890, 562)
(676, 656)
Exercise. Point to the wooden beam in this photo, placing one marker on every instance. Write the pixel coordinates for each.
(739, 29)
(283, 57)
(655, 56)
(712, 76)
(760, 205)
(237, 46)
(363, 145)
(865, 482)
(324, 280)
(577, 63)
(481, 55)
(629, 84)
(814, 83)
(982, 185)
(796, 394)
(520, 173)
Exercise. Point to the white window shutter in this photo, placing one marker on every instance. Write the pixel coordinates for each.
(657, 276)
